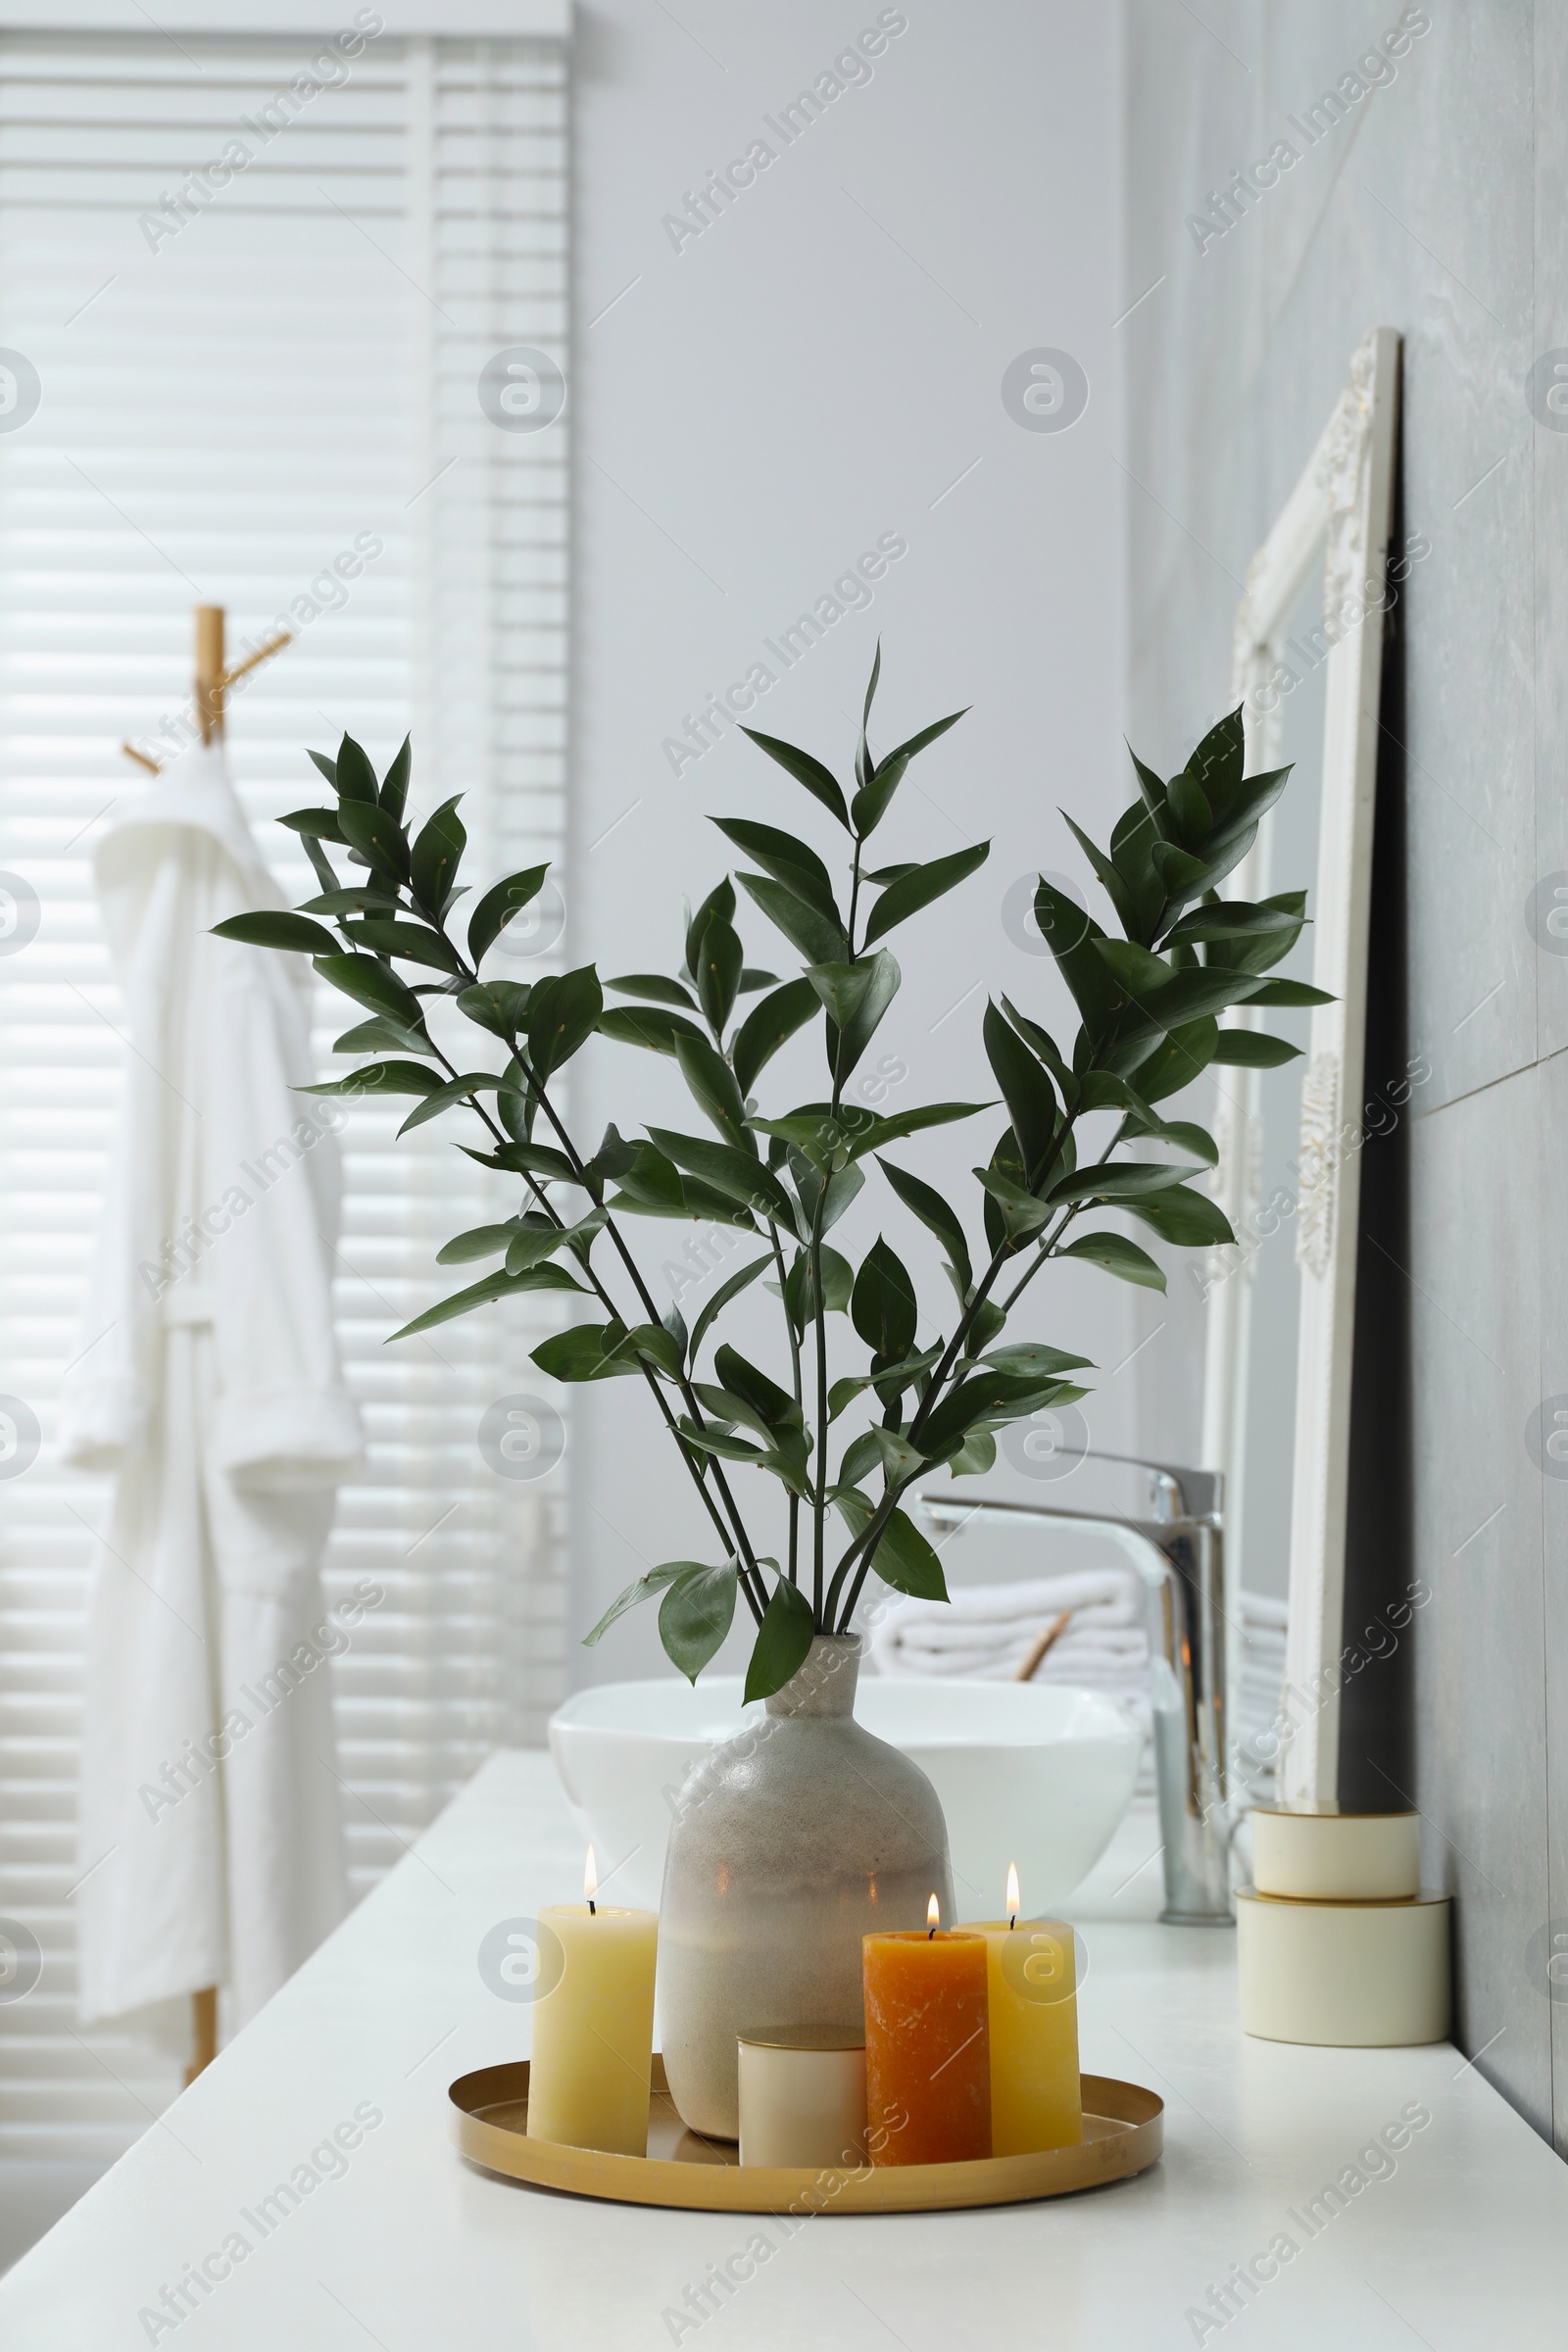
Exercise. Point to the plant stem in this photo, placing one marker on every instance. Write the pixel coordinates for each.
(795, 1380)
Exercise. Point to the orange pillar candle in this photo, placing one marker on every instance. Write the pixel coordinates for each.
(927, 2047)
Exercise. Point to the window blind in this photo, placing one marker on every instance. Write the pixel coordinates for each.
(260, 390)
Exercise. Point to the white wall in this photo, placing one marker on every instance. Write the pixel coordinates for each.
(812, 372)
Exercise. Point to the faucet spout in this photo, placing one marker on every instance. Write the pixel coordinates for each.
(1180, 1553)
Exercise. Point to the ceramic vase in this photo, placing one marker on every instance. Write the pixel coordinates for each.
(790, 1843)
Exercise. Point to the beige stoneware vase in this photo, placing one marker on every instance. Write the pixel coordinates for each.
(790, 1843)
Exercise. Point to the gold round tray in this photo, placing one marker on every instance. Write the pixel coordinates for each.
(1124, 2133)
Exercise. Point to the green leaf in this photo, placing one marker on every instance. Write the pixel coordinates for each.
(373, 897)
(1189, 1219)
(655, 986)
(653, 1026)
(395, 783)
(315, 824)
(1027, 1091)
(1117, 1180)
(351, 774)
(498, 906)
(783, 1638)
(1173, 1061)
(383, 1037)
(434, 860)
(295, 932)
(696, 1614)
(643, 1589)
(860, 1457)
(735, 1173)
(1031, 1359)
(377, 835)
(1251, 1049)
(714, 1087)
(579, 1354)
(372, 985)
(869, 1133)
(815, 934)
(841, 1189)
(857, 997)
(645, 1342)
(326, 766)
(379, 1078)
(443, 1097)
(768, 1026)
(1117, 1255)
(905, 1560)
(718, 1440)
(564, 1011)
(817, 780)
(862, 750)
(726, 1290)
(935, 1213)
(717, 973)
(412, 941)
(778, 1410)
(499, 1006)
(1021, 1212)
(898, 1456)
(1229, 918)
(1183, 1133)
(480, 1241)
(1289, 991)
(871, 801)
(787, 859)
(480, 1293)
(912, 892)
(1072, 937)
(752, 979)
(1187, 805)
(883, 1306)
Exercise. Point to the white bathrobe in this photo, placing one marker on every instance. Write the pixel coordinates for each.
(208, 1383)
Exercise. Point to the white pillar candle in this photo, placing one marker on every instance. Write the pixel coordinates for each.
(802, 2097)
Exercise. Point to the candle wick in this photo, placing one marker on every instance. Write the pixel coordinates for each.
(1012, 1922)
(930, 1931)
(592, 1910)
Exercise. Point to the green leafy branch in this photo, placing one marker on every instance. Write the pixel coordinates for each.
(1149, 1004)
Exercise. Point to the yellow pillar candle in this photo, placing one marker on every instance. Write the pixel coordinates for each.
(593, 2029)
(1032, 1995)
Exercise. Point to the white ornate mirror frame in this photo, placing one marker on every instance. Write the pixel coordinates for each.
(1339, 516)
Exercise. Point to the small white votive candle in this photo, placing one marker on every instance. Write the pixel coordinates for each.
(803, 2096)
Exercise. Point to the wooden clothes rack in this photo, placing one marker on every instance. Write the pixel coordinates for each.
(210, 694)
(213, 678)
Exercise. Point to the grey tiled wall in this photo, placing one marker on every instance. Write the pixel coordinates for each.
(1439, 206)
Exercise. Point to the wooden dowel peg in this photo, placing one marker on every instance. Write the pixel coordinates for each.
(263, 653)
(153, 767)
(209, 670)
(1052, 1633)
(204, 2032)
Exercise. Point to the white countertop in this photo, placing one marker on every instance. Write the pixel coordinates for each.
(1463, 2245)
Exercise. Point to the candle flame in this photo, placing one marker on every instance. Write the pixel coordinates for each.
(933, 1913)
(589, 1878)
(1014, 1905)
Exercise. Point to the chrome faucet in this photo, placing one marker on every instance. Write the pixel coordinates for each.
(1180, 1553)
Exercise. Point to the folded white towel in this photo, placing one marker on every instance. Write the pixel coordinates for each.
(987, 1631)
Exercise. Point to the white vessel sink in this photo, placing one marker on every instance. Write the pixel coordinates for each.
(1039, 1775)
